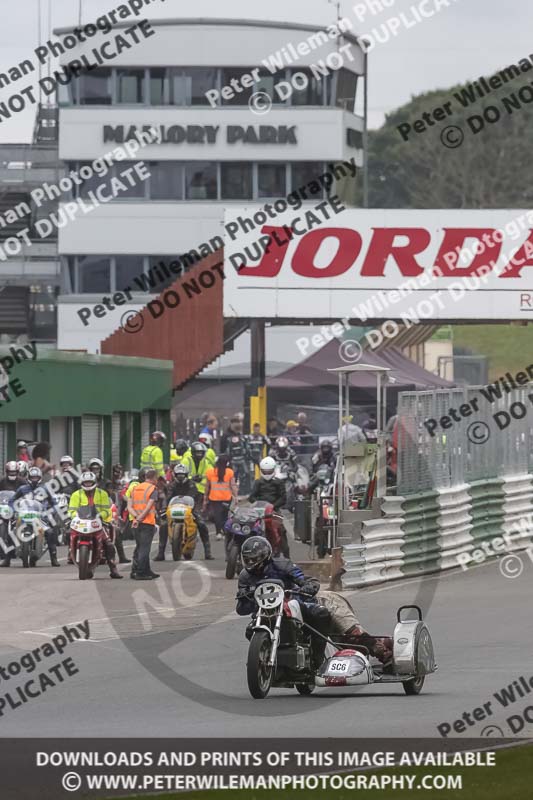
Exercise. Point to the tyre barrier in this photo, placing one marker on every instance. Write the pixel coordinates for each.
(427, 532)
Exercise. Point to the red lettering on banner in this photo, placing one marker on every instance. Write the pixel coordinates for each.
(348, 249)
(522, 258)
(382, 246)
(452, 244)
(270, 264)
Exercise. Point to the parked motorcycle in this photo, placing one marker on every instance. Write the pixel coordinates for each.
(6, 521)
(30, 528)
(61, 502)
(296, 482)
(323, 509)
(86, 541)
(182, 527)
(243, 523)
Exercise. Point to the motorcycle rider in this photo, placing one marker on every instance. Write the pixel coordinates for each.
(207, 439)
(324, 455)
(183, 486)
(89, 494)
(259, 564)
(11, 480)
(197, 464)
(283, 453)
(152, 455)
(271, 490)
(68, 476)
(257, 444)
(22, 470)
(35, 489)
(96, 466)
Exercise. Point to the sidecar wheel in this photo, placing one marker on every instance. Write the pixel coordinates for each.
(305, 688)
(415, 686)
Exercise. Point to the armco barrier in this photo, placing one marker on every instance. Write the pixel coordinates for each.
(425, 533)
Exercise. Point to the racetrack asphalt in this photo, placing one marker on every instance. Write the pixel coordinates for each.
(168, 666)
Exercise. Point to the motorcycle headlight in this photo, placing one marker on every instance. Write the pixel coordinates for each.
(6, 513)
(236, 527)
(246, 529)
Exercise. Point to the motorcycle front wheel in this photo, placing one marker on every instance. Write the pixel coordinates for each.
(176, 542)
(83, 562)
(258, 672)
(231, 563)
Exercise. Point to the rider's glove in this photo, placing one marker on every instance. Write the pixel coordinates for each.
(243, 594)
(197, 478)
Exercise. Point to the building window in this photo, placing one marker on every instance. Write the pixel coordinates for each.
(201, 181)
(130, 86)
(139, 189)
(271, 180)
(346, 90)
(307, 90)
(94, 274)
(237, 181)
(166, 181)
(303, 172)
(127, 269)
(241, 97)
(95, 181)
(198, 81)
(267, 84)
(159, 87)
(95, 88)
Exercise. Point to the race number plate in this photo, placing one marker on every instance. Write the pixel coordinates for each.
(338, 667)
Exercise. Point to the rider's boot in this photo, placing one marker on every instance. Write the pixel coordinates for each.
(122, 559)
(53, 558)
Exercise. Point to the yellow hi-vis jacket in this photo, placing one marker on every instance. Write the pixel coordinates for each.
(202, 468)
(152, 458)
(102, 503)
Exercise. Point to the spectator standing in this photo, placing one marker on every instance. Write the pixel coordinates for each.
(220, 490)
(142, 505)
(22, 451)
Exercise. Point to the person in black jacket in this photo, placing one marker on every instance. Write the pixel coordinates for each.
(270, 490)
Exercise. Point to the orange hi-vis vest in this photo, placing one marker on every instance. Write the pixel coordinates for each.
(219, 490)
(140, 498)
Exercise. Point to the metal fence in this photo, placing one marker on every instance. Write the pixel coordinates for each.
(475, 434)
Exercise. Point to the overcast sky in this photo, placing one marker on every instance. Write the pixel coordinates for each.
(462, 42)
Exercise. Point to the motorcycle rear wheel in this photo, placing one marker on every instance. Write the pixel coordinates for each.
(231, 563)
(84, 571)
(258, 673)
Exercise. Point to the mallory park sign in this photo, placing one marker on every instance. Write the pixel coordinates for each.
(206, 134)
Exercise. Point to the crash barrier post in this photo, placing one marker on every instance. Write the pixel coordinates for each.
(432, 531)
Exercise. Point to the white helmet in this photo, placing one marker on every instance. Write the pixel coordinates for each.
(206, 439)
(88, 481)
(267, 468)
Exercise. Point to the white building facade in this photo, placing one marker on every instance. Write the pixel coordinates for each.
(209, 155)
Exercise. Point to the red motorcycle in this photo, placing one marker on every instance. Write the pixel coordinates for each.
(87, 541)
